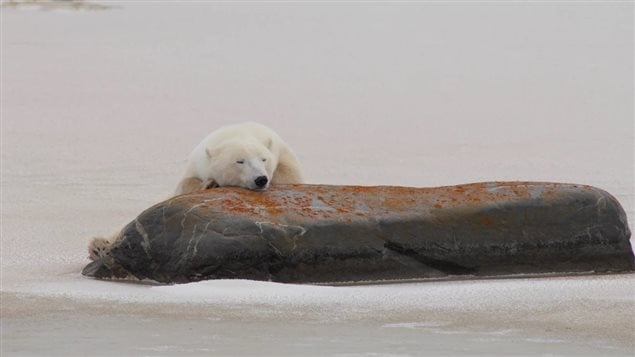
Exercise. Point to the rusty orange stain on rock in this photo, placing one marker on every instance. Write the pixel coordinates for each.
(323, 201)
(393, 203)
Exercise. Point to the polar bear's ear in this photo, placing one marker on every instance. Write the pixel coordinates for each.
(210, 153)
(269, 143)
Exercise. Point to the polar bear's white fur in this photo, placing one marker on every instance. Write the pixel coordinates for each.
(248, 155)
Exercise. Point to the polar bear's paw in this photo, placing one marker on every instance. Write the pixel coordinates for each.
(209, 183)
(98, 248)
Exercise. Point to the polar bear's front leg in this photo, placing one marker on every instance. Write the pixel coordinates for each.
(191, 184)
(188, 184)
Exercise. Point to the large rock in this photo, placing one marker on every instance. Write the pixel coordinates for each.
(307, 233)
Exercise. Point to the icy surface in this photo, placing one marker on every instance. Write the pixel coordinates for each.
(100, 109)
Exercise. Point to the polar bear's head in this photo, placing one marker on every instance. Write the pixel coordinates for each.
(243, 164)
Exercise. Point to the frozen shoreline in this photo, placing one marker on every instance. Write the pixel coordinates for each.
(486, 316)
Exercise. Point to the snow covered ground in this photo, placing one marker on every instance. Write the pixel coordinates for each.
(101, 107)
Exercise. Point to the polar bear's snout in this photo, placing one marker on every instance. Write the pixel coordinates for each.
(261, 181)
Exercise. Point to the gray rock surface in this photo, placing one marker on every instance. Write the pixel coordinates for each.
(321, 234)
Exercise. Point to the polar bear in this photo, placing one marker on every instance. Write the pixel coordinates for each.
(248, 155)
